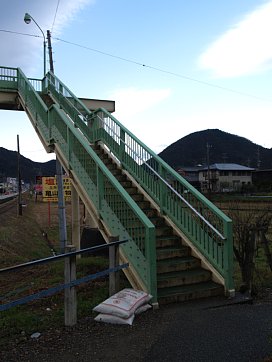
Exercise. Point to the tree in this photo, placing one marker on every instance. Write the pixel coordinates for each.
(249, 226)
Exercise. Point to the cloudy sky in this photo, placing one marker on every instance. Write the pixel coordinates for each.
(207, 64)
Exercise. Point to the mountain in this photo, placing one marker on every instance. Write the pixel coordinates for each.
(221, 147)
(188, 151)
(29, 169)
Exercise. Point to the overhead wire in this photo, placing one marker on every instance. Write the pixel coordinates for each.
(164, 70)
(19, 33)
(57, 8)
(148, 66)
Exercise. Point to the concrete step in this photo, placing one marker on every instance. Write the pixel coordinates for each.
(184, 277)
(126, 183)
(169, 252)
(167, 240)
(189, 292)
(177, 264)
(157, 221)
(150, 212)
(137, 197)
(143, 204)
(163, 230)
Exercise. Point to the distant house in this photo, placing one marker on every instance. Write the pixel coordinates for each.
(225, 177)
(191, 174)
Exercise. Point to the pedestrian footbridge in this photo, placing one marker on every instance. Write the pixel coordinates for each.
(180, 244)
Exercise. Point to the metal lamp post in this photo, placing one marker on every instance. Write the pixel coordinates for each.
(27, 20)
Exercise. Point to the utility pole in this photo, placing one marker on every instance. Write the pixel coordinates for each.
(20, 209)
(70, 297)
(50, 51)
(208, 165)
(258, 158)
(59, 173)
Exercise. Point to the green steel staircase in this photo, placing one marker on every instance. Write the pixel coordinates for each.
(180, 244)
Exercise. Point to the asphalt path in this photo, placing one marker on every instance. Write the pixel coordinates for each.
(218, 332)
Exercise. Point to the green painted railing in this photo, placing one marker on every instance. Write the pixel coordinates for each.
(205, 225)
(121, 214)
(208, 228)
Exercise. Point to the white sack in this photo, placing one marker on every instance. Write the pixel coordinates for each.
(108, 318)
(124, 303)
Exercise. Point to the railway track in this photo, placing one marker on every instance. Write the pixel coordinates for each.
(7, 204)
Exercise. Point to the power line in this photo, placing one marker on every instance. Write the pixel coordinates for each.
(19, 33)
(165, 71)
(149, 66)
(55, 16)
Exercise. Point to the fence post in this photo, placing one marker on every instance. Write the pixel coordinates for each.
(75, 218)
(70, 300)
(114, 277)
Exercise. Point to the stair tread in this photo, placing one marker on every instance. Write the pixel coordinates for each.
(175, 264)
(163, 249)
(166, 237)
(177, 260)
(182, 273)
(184, 289)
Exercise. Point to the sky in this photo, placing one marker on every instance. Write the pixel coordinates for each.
(172, 67)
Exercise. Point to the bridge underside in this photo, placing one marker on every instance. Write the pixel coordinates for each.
(9, 101)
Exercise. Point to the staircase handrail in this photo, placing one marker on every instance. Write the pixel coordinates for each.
(169, 186)
(118, 138)
(48, 120)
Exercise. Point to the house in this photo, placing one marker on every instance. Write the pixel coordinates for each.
(191, 174)
(225, 177)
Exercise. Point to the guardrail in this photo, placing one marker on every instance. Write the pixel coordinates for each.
(70, 282)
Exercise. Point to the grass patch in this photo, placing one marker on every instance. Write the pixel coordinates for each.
(22, 240)
(18, 323)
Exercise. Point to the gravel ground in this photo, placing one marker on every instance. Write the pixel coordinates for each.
(92, 341)
(206, 330)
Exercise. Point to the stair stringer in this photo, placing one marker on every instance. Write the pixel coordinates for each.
(105, 231)
(130, 272)
(48, 147)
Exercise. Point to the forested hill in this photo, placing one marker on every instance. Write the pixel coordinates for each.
(188, 151)
(29, 169)
(222, 147)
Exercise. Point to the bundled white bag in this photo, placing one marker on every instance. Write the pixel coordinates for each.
(109, 318)
(124, 303)
(142, 309)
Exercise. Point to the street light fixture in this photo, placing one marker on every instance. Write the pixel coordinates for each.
(27, 20)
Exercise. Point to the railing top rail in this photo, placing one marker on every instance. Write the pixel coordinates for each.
(108, 174)
(70, 92)
(3, 67)
(173, 190)
(91, 249)
(21, 74)
(154, 156)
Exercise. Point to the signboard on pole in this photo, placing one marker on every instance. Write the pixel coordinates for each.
(50, 189)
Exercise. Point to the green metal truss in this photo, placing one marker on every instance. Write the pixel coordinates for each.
(72, 127)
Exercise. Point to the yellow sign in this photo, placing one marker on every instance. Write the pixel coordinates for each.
(50, 189)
